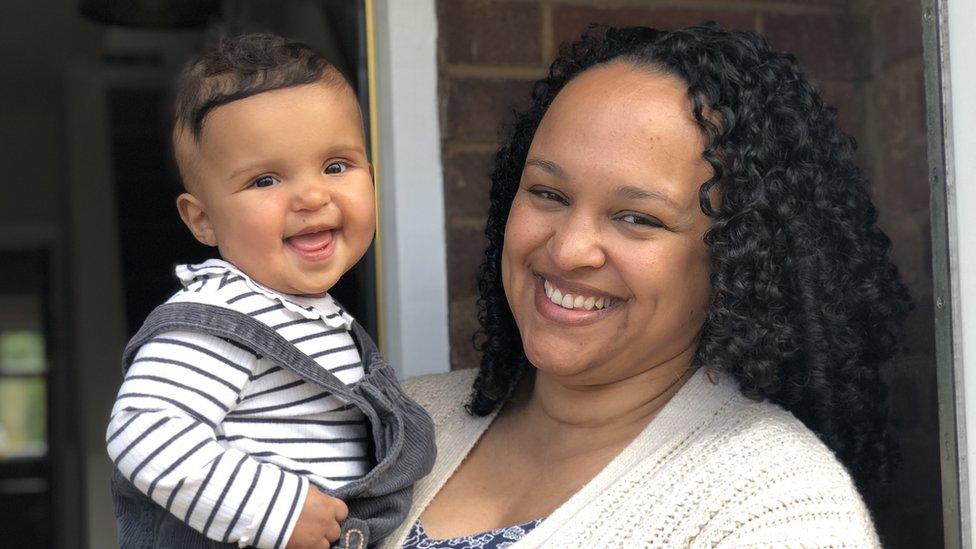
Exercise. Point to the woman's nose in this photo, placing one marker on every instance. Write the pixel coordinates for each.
(576, 243)
(311, 195)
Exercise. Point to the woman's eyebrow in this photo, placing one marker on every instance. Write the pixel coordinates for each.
(637, 193)
(547, 166)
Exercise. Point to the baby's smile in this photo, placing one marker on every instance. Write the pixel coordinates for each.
(313, 244)
(289, 196)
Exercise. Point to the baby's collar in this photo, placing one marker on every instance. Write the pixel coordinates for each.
(325, 308)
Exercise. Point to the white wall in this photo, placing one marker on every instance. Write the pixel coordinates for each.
(414, 274)
(98, 317)
(961, 128)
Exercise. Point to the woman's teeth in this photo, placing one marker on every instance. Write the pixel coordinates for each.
(570, 301)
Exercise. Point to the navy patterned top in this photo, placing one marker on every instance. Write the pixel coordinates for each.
(499, 538)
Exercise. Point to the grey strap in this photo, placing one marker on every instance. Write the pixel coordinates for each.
(249, 332)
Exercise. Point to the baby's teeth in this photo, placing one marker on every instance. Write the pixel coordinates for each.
(598, 303)
(567, 301)
(578, 302)
(588, 303)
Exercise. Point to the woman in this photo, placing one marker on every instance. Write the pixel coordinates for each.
(685, 303)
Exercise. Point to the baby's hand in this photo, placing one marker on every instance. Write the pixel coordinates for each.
(318, 524)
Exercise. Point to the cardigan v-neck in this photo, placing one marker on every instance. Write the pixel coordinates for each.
(752, 472)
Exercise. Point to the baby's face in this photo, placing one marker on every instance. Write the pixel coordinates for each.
(285, 186)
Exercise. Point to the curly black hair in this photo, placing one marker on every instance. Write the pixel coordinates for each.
(806, 306)
(243, 66)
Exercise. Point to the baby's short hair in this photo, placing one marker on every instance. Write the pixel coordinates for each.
(242, 66)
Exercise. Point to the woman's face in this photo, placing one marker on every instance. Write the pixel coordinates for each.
(607, 213)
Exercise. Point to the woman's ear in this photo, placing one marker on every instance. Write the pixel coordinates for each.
(194, 216)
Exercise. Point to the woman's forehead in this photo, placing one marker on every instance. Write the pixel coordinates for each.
(625, 82)
(621, 118)
(618, 101)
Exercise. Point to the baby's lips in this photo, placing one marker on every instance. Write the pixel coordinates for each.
(311, 241)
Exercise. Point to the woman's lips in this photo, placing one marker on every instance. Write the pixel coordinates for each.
(315, 246)
(574, 301)
(562, 315)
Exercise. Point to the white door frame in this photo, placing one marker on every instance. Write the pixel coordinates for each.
(950, 47)
(411, 261)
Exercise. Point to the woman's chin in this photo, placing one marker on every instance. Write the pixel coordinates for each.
(559, 364)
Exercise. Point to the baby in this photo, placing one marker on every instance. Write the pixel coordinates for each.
(254, 408)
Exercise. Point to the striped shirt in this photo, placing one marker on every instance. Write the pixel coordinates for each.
(229, 441)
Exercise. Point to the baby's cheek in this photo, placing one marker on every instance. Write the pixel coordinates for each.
(355, 241)
(361, 217)
(363, 229)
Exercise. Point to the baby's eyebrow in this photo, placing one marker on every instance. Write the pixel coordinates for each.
(245, 169)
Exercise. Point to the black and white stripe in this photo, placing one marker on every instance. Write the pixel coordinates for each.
(226, 440)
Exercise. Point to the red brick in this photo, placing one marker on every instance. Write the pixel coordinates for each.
(917, 494)
(911, 248)
(904, 389)
(475, 108)
(479, 31)
(906, 185)
(899, 98)
(828, 46)
(846, 98)
(900, 528)
(836, 3)
(465, 248)
(467, 177)
(920, 324)
(464, 324)
(569, 22)
(898, 31)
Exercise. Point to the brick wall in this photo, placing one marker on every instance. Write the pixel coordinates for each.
(866, 57)
(894, 146)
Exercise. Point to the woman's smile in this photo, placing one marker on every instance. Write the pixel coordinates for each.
(603, 243)
(557, 302)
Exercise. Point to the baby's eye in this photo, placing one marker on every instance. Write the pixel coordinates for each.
(336, 167)
(264, 181)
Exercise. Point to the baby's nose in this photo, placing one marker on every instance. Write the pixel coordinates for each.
(311, 197)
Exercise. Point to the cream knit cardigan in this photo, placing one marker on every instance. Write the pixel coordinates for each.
(713, 469)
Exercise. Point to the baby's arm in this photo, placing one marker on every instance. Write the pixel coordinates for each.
(319, 522)
(162, 437)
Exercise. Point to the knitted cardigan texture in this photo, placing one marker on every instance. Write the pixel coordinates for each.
(713, 469)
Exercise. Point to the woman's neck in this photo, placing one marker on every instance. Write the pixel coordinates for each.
(565, 411)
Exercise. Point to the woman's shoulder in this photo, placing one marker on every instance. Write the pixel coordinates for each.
(754, 440)
(763, 432)
(785, 484)
(717, 423)
(714, 421)
(736, 473)
(775, 478)
(441, 395)
(720, 469)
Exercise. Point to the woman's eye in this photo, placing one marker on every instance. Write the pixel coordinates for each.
(264, 181)
(336, 167)
(548, 195)
(640, 220)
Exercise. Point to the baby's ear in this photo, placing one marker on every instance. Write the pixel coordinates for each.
(194, 216)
